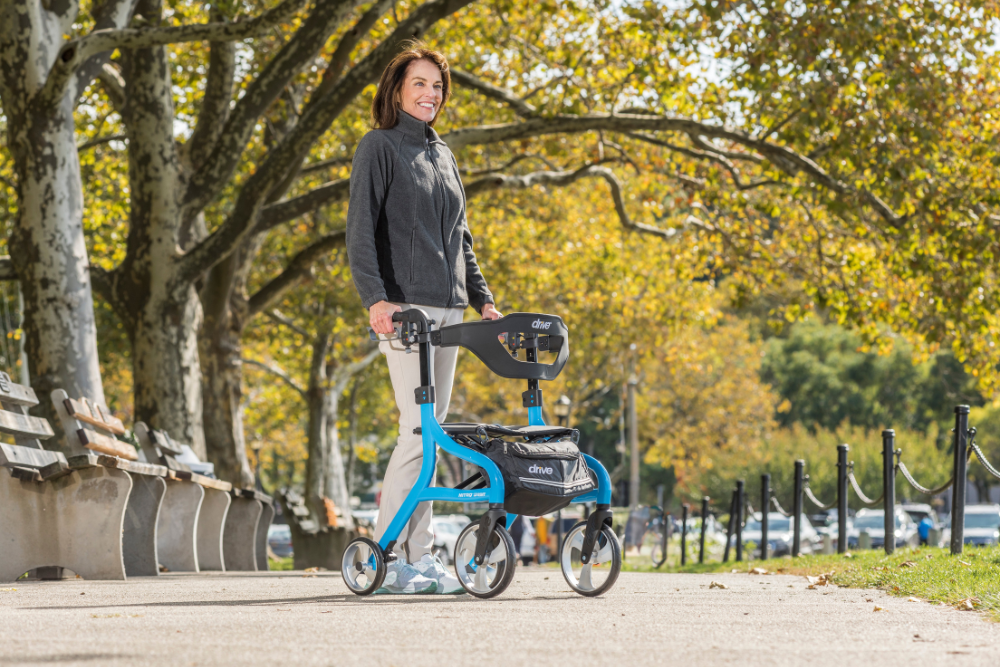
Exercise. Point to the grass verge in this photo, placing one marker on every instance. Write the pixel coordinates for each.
(968, 581)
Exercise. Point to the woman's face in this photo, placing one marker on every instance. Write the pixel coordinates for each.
(422, 90)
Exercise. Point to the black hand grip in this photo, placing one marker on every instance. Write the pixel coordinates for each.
(413, 316)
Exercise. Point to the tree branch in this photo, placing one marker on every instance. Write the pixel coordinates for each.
(216, 102)
(508, 165)
(785, 159)
(101, 140)
(520, 107)
(315, 120)
(277, 316)
(564, 178)
(277, 372)
(302, 48)
(298, 268)
(76, 52)
(113, 84)
(343, 374)
(289, 209)
(342, 161)
(339, 58)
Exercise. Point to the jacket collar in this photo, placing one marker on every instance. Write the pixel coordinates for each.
(416, 128)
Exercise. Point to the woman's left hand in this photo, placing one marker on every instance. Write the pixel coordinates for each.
(490, 312)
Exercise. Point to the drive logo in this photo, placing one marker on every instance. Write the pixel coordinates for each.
(540, 470)
(541, 324)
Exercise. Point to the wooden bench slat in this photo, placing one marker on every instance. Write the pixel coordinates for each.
(16, 394)
(28, 457)
(79, 410)
(106, 445)
(24, 425)
(207, 482)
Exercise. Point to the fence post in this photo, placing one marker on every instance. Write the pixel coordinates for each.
(729, 528)
(765, 505)
(740, 503)
(842, 498)
(704, 522)
(684, 533)
(889, 488)
(800, 465)
(958, 488)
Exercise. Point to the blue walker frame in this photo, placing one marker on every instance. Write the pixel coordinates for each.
(433, 436)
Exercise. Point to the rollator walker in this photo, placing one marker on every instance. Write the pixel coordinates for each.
(485, 557)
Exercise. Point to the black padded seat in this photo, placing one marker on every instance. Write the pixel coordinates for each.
(497, 430)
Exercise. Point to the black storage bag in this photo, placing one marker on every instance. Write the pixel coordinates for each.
(540, 477)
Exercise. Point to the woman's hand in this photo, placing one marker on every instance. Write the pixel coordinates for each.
(380, 316)
(490, 312)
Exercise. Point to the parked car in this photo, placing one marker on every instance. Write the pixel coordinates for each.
(873, 523)
(279, 539)
(447, 528)
(780, 532)
(982, 525)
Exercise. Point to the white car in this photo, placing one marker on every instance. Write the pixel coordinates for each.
(447, 528)
(982, 525)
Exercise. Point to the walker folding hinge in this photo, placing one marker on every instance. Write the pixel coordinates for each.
(532, 398)
(424, 394)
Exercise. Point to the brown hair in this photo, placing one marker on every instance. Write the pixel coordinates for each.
(387, 102)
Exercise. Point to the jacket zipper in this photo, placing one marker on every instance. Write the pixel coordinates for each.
(444, 203)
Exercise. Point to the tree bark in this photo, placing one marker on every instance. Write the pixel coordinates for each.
(47, 244)
(162, 314)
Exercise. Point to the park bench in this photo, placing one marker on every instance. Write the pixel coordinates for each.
(209, 525)
(191, 527)
(56, 512)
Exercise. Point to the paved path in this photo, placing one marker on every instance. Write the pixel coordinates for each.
(291, 619)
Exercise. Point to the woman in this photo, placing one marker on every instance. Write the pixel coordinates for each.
(409, 246)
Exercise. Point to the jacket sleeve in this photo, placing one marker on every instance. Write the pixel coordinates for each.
(475, 284)
(371, 174)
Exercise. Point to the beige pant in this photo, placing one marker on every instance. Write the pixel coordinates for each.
(417, 537)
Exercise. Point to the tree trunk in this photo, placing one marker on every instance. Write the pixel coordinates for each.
(226, 316)
(163, 314)
(316, 399)
(47, 244)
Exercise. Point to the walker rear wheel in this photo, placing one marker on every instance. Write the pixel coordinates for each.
(497, 571)
(600, 573)
(363, 566)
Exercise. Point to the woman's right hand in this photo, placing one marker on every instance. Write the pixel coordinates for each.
(380, 316)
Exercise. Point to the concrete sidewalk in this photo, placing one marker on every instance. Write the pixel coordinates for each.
(288, 618)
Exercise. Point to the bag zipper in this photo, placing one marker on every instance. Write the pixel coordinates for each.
(563, 485)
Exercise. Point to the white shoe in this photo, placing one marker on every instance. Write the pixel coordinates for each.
(401, 578)
(432, 568)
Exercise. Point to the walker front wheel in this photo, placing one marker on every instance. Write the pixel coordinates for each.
(363, 566)
(600, 573)
(497, 570)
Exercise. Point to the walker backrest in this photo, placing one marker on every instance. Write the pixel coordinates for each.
(483, 339)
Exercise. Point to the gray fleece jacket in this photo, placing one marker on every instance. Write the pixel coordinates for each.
(407, 237)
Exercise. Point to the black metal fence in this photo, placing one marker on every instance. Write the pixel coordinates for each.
(892, 462)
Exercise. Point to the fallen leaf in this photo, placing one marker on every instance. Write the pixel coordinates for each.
(11, 590)
(306, 576)
(913, 599)
(315, 569)
(877, 608)
(965, 564)
(811, 587)
(907, 563)
(968, 604)
(326, 612)
(928, 556)
(716, 584)
(735, 571)
(163, 568)
(848, 555)
(868, 600)
(758, 570)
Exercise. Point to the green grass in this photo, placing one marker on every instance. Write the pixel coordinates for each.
(928, 573)
(281, 564)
